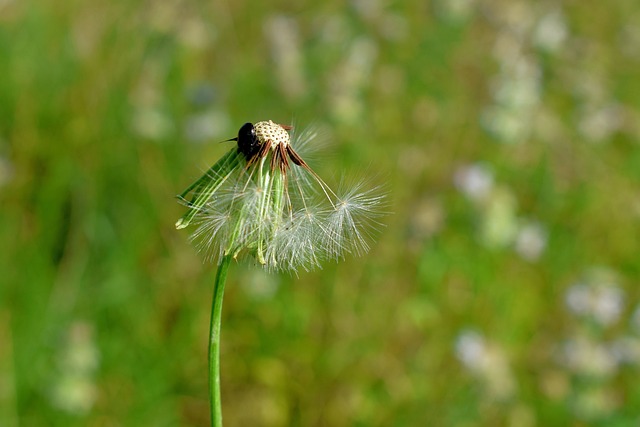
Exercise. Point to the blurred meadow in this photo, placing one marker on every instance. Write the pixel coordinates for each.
(504, 289)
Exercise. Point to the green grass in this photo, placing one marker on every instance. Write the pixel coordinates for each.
(104, 306)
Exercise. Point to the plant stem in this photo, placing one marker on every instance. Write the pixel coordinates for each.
(214, 341)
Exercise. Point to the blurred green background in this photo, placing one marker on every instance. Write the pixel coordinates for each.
(503, 289)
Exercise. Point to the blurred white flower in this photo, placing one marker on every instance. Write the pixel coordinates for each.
(602, 301)
(517, 88)
(551, 31)
(6, 171)
(368, 9)
(455, 10)
(578, 298)
(531, 241)
(598, 124)
(206, 125)
(626, 350)
(499, 219)
(487, 362)
(516, 94)
(350, 79)
(608, 304)
(586, 357)
(73, 387)
(519, 84)
(506, 124)
(474, 181)
(471, 350)
(152, 123)
(284, 40)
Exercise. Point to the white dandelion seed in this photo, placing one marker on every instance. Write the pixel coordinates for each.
(263, 200)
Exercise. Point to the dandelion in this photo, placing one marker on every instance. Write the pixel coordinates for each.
(261, 200)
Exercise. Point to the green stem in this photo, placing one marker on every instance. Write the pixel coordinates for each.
(214, 342)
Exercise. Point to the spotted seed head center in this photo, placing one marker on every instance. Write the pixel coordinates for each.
(270, 131)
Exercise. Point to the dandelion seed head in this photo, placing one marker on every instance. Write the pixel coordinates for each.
(263, 200)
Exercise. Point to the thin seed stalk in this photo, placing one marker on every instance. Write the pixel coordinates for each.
(266, 184)
(278, 194)
(233, 248)
(214, 342)
(207, 185)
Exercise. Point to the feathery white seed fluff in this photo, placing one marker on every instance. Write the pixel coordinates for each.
(285, 218)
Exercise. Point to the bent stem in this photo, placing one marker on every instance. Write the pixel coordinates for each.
(214, 342)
